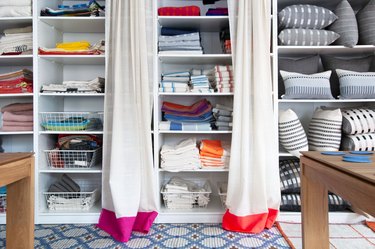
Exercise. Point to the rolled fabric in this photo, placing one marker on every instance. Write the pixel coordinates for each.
(17, 107)
(9, 116)
(15, 11)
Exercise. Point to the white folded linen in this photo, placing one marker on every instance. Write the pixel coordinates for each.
(15, 11)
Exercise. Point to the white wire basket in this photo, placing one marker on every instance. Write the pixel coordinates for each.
(72, 121)
(3, 203)
(73, 201)
(186, 199)
(73, 159)
(222, 189)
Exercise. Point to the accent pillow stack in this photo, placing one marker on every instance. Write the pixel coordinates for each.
(358, 129)
(303, 25)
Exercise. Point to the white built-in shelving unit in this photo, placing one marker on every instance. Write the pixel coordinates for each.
(209, 27)
(47, 31)
(305, 108)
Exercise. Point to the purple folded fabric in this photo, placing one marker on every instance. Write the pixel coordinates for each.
(17, 128)
(13, 123)
(217, 12)
(9, 116)
(17, 107)
(197, 109)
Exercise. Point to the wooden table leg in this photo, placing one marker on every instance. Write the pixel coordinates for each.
(20, 212)
(314, 198)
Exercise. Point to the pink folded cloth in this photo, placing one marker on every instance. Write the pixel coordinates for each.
(9, 116)
(13, 123)
(17, 107)
(17, 128)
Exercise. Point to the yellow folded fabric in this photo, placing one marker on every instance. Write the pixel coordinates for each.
(74, 46)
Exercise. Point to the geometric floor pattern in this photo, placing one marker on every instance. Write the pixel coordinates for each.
(341, 236)
(161, 236)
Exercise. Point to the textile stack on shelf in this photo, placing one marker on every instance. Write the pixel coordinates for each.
(225, 41)
(183, 156)
(196, 117)
(179, 193)
(77, 86)
(214, 154)
(92, 8)
(217, 12)
(221, 76)
(179, 11)
(200, 82)
(177, 41)
(15, 8)
(17, 117)
(224, 116)
(175, 82)
(75, 48)
(16, 41)
(16, 82)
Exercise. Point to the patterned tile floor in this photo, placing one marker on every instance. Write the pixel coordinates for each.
(161, 236)
(342, 236)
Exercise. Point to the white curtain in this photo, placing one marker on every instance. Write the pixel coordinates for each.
(253, 196)
(128, 183)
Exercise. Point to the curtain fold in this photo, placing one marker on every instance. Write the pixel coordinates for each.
(128, 196)
(253, 196)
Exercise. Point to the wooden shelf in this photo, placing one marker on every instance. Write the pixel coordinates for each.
(76, 24)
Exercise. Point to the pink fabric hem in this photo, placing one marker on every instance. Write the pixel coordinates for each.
(121, 228)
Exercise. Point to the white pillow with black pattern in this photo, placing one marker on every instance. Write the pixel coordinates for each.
(325, 130)
(360, 142)
(356, 85)
(305, 16)
(358, 121)
(292, 136)
(307, 86)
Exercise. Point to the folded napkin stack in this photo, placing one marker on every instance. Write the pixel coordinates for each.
(199, 82)
(222, 78)
(15, 8)
(224, 117)
(16, 41)
(175, 82)
(76, 86)
(213, 154)
(17, 117)
(173, 41)
(20, 81)
(75, 48)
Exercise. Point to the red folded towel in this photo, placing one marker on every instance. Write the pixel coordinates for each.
(179, 11)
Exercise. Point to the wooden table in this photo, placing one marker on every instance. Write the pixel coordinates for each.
(355, 182)
(17, 172)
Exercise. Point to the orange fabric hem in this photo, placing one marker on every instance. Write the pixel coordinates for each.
(254, 223)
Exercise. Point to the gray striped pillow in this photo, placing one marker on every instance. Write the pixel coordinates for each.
(366, 24)
(346, 25)
(356, 85)
(304, 86)
(325, 130)
(292, 136)
(307, 37)
(305, 16)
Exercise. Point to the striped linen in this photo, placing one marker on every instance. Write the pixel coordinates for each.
(366, 24)
(358, 121)
(325, 130)
(307, 37)
(292, 136)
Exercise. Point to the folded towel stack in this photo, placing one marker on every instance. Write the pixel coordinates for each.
(179, 11)
(16, 82)
(224, 116)
(92, 8)
(16, 41)
(15, 8)
(17, 117)
(198, 115)
(200, 82)
(172, 41)
(77, 86)
(222, 78)
(175, 82)
(75, 48)
(183, 194)
(213, 154)
(183, 156)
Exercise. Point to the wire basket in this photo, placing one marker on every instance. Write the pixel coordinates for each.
(72, 121)
(73, 159)
(73, 201)
(186, 199)
(3, 203)
(222, 189)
